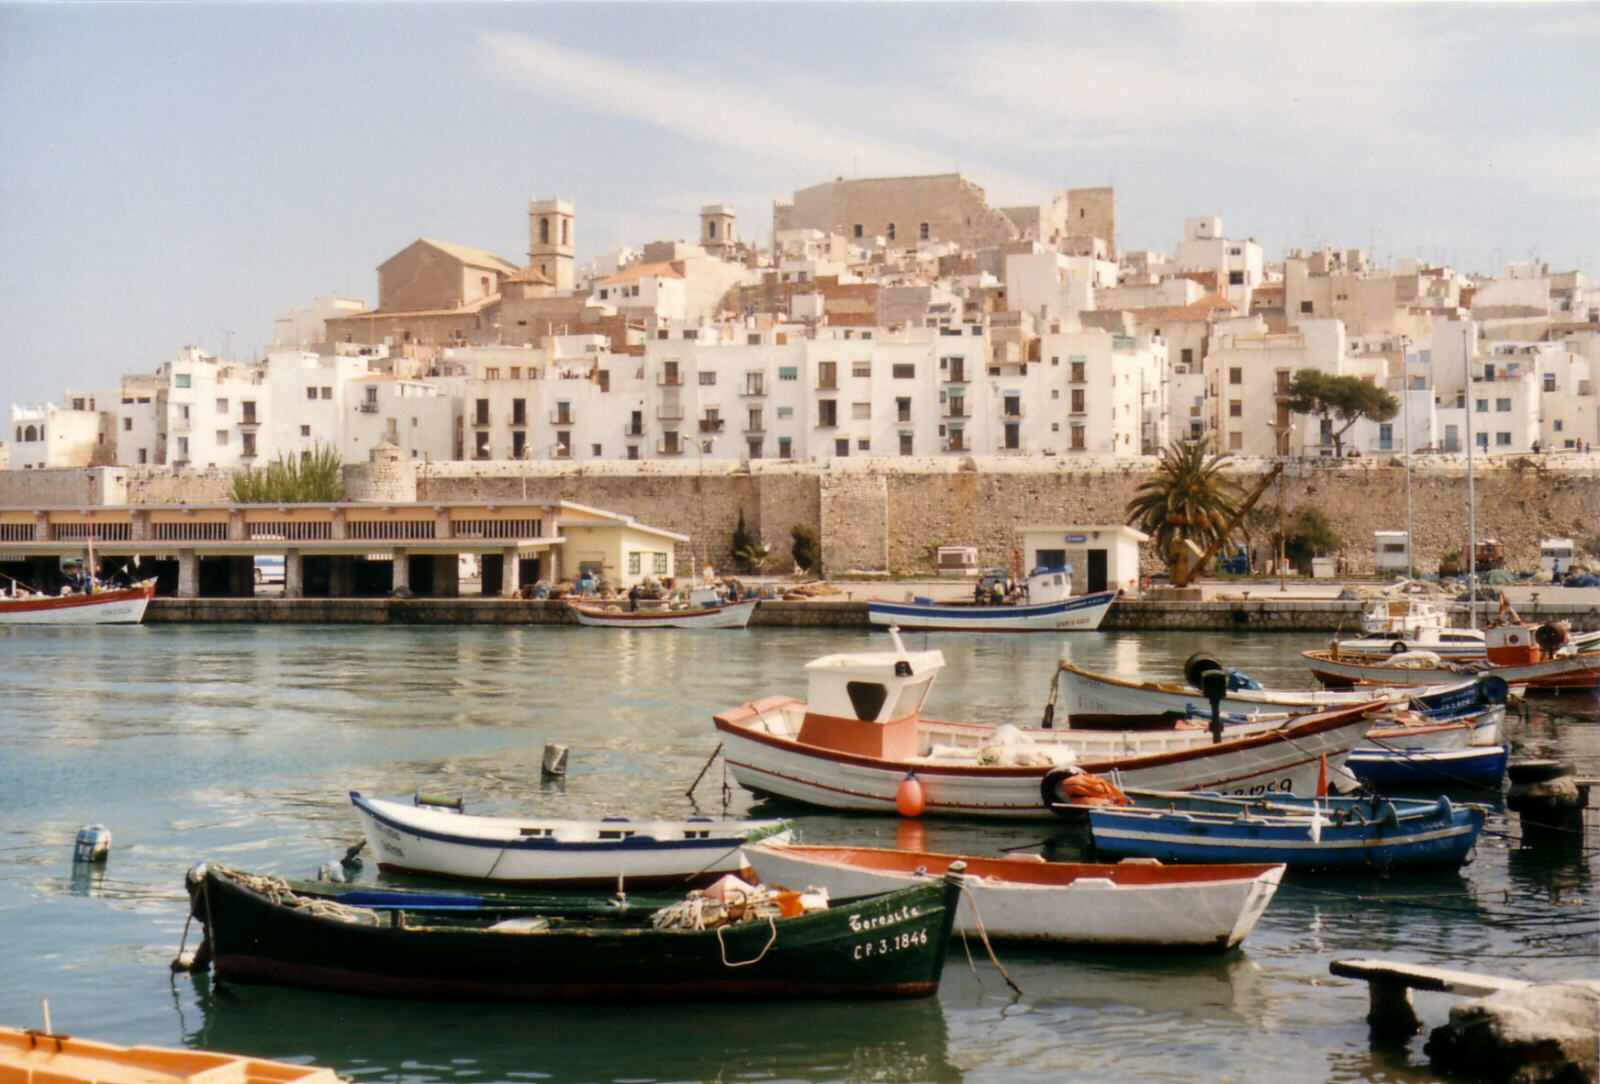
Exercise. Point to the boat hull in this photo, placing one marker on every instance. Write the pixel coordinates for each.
(68, 1059)
(1482, 766)
(1428, 835)
(1082, 613)
(404, 839)
(732, 615)
(1575, 673)
(123, 606)
(1282, 759)
(892, 945)
(1128, 906)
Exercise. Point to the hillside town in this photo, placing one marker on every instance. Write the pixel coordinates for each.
(885, 317)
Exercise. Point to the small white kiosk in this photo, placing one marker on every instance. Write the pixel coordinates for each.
(1391, 551)
(1102, 556)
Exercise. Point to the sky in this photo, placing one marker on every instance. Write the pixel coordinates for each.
(180, 174)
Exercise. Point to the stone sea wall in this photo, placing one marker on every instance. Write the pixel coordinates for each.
(890, 515)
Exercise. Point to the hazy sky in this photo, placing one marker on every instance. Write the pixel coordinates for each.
(183, 173)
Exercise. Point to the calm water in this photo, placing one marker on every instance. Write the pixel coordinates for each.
(238, 744)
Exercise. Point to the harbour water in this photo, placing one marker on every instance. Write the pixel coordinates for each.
(238, 744)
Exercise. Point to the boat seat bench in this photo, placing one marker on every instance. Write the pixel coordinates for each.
(1390, 983)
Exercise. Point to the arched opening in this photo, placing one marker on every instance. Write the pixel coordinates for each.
(544, 231)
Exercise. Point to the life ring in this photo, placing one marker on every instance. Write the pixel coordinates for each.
(1397, 647)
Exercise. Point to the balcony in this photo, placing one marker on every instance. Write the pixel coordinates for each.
(710, 425)
(252, 420)
(563, 417)
(757, 388)
(561, 451)
(827, 384)
(755, 429)
(669, 413)
(481, 422)
(955, 444)
(1011, 410)
(632, 429)
(669, 380)
(365, 408)
(955, 408)
(956, 376)
(669, 447)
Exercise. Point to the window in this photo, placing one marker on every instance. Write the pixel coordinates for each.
(902, 410)
(786, 412)
(127, 425)
(222, 438)
(659, 562)
(516, 372)
(1481, 406)
(492, 373)
(905, 443)
(904, 372)
(311, 393)
(249, 442)
(222, 406)
(1305, 306)
(861, 369)
(180, 380)
(788, 372)
(305, 430)
(827, 374)
(519, 444)
(1077, 373)
(183, 447)
(1013, 436)
(519, 411)
(1502, 406)
(1186, 355)
(1012, 404)
(858, 232)
(1235, 441)
(827, 412)
(1385, 436)
(1549, 381)
(841, 447)
(1502, 439)
(1235, 278)
(480, 415)
(785, 447)
(1077, 444)
(1077, 400)
(633, 563)
(1236, 376)
(707, 379)
(327, 393)
(1557, 425)
(1055, 393)
(1236, 408)
(922, 231)
(144, 456)
(890, 231)
(860, 411)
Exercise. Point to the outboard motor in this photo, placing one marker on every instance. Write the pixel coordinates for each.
(1214, 683)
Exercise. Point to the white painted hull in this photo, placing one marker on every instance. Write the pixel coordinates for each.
(732, 615)
(1274, 760)
(1090, 911)
(119, 607)
(1578, 673)
(408, 839)
(1081, 614)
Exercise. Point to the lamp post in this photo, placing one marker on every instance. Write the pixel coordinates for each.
(1280, 435)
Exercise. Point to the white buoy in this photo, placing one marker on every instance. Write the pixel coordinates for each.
(330, 872)
(93, 843)
(555, 760)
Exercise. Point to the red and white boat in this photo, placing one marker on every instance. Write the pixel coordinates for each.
(99, 606)
(1140, 905)
(1546, 658)
(612, 615)
(860, 734)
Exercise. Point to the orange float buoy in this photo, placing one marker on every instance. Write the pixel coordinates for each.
(908, 798)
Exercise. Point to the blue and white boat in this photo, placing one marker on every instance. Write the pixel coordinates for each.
(557, 853)
(1045, 603)
(1373, 833)
(1384, 765)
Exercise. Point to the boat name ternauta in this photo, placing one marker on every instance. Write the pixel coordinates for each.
(857, 923)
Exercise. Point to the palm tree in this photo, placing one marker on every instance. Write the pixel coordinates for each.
(1188, 498)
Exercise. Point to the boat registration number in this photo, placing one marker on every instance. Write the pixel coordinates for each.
(893, 943)
(1271, 786)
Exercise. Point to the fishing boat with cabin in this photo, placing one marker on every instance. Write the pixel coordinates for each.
(1044, 603)
(860, 741)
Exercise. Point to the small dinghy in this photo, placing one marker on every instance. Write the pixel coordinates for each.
(1323, 833)
(1128, 906)
(556, 853)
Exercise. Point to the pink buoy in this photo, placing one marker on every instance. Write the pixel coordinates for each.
(908, 798)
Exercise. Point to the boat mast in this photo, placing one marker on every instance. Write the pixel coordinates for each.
(1472, 504)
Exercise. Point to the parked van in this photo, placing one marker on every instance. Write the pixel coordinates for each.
(1554, 550)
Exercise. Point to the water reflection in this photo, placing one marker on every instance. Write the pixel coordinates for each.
(427, 1042)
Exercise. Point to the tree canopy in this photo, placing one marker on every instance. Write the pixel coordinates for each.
(1188, 498)
(1348, 398)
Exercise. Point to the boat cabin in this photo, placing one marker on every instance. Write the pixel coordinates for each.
(885, 688)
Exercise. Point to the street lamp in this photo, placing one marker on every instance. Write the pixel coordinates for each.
(1281, 435)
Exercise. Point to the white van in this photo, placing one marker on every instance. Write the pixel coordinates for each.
(1553, 550)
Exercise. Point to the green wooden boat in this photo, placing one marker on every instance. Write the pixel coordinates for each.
(258, 929)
